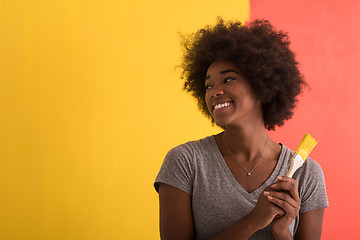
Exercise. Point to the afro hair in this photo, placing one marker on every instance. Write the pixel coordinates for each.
(263, 55)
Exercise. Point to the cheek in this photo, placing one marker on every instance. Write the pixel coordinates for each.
(208, 102)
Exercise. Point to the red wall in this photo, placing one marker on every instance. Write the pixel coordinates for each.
(325, 35)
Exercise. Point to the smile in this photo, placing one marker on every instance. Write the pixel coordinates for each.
(221, 105)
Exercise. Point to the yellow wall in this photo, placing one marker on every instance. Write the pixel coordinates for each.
(89, 105)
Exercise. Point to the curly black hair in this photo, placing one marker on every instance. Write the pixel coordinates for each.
(261, 52)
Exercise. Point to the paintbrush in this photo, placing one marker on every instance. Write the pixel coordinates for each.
(302, 152)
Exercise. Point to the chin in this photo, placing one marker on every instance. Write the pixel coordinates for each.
(221, 123)
(223, 120)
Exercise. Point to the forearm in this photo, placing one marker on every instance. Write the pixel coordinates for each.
(241, 229)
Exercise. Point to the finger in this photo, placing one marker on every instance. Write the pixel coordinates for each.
(288, 184)
(284, 197)
(277, 210)
(285, 179)
(292, 211)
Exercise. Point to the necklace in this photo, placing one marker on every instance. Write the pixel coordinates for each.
(248, 172)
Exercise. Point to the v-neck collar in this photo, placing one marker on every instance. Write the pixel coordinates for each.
(233, 180)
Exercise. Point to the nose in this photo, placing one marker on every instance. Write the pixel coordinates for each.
(217, 92)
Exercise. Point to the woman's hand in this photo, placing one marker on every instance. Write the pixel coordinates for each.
(284, 194)
(264, 212)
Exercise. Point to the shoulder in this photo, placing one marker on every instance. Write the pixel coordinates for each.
(180, 164)
(188, 155)
(310, 176)
(192, 148)
(311, 185)
(310, 170)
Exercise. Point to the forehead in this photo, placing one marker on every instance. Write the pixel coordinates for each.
(221, 67)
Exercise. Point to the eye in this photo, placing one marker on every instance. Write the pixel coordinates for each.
(229, 79)
(208, 87)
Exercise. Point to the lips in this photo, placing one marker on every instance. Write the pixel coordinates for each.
(221, 105)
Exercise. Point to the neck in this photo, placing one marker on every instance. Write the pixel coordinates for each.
(247, 143)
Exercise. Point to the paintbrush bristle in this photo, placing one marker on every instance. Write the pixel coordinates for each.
(306, 146)
(302, 152)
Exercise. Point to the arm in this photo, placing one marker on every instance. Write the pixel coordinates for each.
(176, 220)
(310, 225)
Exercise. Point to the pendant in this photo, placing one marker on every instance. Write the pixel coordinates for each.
(248, 174)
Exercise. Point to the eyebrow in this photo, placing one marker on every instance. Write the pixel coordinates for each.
(223, 72)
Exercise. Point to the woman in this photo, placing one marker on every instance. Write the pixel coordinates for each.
(233, 185)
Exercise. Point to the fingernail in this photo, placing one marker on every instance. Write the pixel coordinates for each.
(270, 197)
(280, 177)
(266, 193)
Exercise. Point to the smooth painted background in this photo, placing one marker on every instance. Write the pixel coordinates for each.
(326, 36)
(90, 102)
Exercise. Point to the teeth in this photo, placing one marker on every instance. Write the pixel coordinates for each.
(221, 105)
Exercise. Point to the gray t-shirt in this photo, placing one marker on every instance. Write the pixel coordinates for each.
(218, 200)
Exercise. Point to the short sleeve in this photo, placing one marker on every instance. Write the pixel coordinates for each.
(311, 184)
(177, 169)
